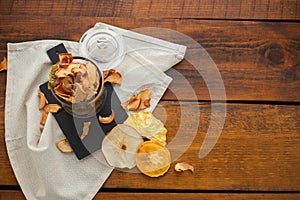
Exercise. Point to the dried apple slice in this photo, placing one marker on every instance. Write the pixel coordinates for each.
(112, 76)
(43, 100)
(183, 166)
(3, 64)
(85, 129)
(153, 159)
(120, 145)
(53, 108)
(144, 95)
(64, 146)
(139, 101)
(107, 120)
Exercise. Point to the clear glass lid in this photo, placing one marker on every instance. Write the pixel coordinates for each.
(103, 46)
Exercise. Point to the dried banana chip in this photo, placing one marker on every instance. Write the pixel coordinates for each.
(153, 159)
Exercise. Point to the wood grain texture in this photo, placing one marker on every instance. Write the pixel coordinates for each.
(181, 9)
(260, 63)
(257, 150)
(17, 195)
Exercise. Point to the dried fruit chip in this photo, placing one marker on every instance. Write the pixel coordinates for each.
(132, 104)
(107, 120)
(120, 145)
(74, 80)
(64, 146)
(65, 58)
(43, 100)
(3, 64)
(44, 117)
(112, 76)
(140, 101)
(85, 129)
(153, 159)
(144, 95)
(53, 108)
(148, 126)
(183, 166)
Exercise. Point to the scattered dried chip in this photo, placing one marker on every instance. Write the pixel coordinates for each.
(140, 101)
(53, 108)
(132, 104)
(3, 64)
(153, 159)
(43, 100)
(112, 76)
(85, 129)
(183, 166)
(64, 146)
(41, 128)
(44, 117)
(107, 120)
(144, 95)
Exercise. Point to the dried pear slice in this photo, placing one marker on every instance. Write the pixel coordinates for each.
(153, 159)
(120, 145)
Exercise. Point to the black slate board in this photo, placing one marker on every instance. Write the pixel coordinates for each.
(72, 125)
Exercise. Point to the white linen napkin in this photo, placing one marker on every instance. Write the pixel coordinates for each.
(42, 171)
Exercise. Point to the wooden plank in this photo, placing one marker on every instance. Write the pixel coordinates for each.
(261, 63)
(17, 195)
(182, 9)
(258, 150)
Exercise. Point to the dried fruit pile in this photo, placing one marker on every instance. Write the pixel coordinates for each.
(140, 141)
(74, 80)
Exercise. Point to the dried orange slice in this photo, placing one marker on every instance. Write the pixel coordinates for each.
(153, 159)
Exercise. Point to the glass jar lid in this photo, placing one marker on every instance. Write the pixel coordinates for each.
(103, 46)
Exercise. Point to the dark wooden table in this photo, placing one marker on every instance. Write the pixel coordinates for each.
(256, 47)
